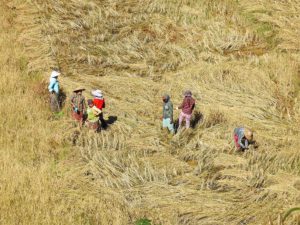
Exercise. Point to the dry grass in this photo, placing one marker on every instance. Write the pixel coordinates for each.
(239, 58)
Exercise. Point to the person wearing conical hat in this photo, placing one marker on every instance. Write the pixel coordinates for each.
(242, 138)
(99, 102)
(78, 104)
(54, 91)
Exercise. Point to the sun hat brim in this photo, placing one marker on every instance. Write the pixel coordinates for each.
(78, 89)
(97, 93)
(55, 74)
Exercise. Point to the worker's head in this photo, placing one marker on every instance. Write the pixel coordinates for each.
(90, 103)
(78, 91)
(97, 93)
(55, 74)
(165, 98)
(187, 93)
(248, 134)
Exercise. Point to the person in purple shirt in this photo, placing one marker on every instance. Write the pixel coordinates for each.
(242, 138)
(187, 106)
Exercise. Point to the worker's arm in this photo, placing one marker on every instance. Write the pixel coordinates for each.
(246, 143)
(74, 107)
(72, 101)
(181, 106)
(193, 107)
(96, 111)
(241, 143)
(171, 112)
(51, 86)
(83, 106)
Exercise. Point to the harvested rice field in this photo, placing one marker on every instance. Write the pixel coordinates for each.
(240, 59)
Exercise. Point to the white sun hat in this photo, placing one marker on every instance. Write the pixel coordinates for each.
(97, 93)
(79, 89)
(54, 74)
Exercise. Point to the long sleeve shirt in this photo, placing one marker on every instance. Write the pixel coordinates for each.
(53, 85)
(78, 101)
(187, 105)
(240, 132)
(168, 110)
(93, 114)
(99, 103)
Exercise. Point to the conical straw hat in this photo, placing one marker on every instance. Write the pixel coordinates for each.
(78, 89)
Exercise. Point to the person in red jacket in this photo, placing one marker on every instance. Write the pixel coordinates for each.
(99, 102)
(187, 106)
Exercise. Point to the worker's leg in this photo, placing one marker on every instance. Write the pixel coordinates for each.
(102, 121)
(82, 118)
(164, 123)
(188, 120)
(236, 138)
(94, 126)
(171, 128)
(169, 125)
(54, 103)
(181, 116)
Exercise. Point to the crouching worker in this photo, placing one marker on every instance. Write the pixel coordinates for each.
(242, 138)
(92, 116)
(78, 105)
(168, 114)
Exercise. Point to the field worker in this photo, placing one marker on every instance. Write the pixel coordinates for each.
(187, 106)
(99, 102)
(242, 138)
(92, 115)
(78, 105)
(168, 113)
(54, 91)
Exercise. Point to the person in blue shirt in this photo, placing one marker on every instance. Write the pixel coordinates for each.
(54, 91)
(242, 138)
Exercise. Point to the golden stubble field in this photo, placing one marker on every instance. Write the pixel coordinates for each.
(239, 58)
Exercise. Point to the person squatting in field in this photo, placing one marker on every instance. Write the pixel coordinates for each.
(167, 119)
(242, 138)
(99, 102)
(187, 106)
(78, 105)
(54, 91)
(93, 113)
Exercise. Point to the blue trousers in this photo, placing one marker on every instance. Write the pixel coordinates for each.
(167, 123)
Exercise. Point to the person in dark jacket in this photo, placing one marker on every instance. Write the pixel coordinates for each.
(187, 106)
(242, 138)
(78, 105)
(167, 120)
